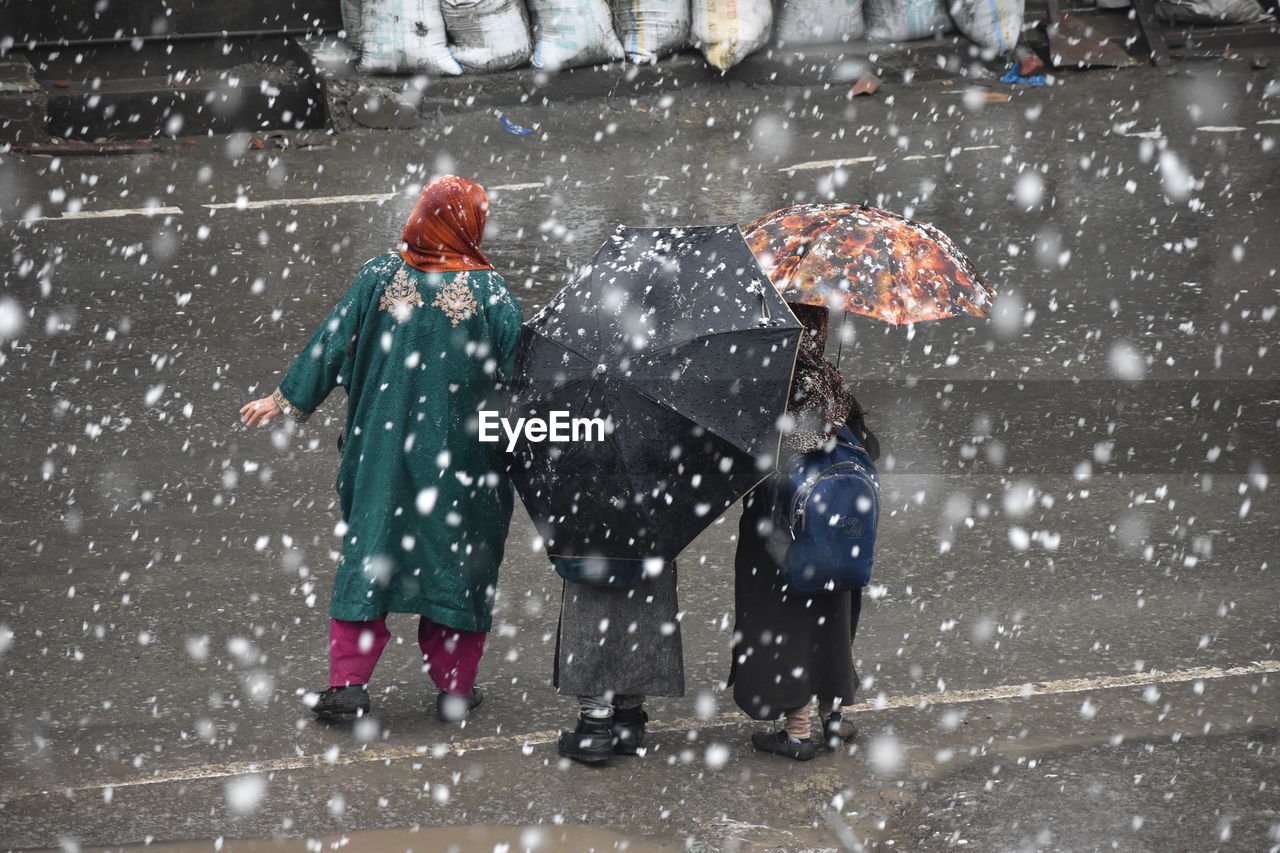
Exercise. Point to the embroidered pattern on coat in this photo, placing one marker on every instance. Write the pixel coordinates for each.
(289, 408)
(400, 295)
(456, 300)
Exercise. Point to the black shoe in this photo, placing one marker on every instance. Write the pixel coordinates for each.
(452, 708)
(779, 743)
(339, 702)
(591, 742)
(837, 731)
(628, 730)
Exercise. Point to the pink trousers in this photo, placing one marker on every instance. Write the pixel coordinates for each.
(450, 656)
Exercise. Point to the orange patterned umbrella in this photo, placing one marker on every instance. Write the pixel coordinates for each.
(867, 261)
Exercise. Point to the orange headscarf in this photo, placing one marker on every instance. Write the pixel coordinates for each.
(444, 231)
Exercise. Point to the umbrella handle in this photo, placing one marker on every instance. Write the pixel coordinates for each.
(844, 316)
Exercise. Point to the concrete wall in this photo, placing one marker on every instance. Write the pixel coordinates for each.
(53, 20)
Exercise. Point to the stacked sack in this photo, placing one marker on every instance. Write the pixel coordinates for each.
(573, 32)
(585, 32)
(403, 36)
(649, 29)
(803, 22)
(487, 35)
(441, 37)
(449, 37)
(727, 31)
(904, 20)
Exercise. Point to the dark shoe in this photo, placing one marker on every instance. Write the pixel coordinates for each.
(340, 702)
(628, 730)
(591, 742)
(780, 744)
(836, 731)
(452, 708)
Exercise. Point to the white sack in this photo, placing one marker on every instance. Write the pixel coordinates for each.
(649, 29)
(992, 24)
(404, 36)
(573, 32)
(487, 35)
(797, 22)
(903, 20)
(727, 31)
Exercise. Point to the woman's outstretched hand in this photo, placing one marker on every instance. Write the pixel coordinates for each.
(259, 412)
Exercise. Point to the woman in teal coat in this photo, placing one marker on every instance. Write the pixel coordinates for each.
(422, 343)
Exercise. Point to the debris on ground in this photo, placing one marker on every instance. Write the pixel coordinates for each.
(305, 139)
(512, 127)
(76, 147)
(867, 85)
(1078, 42)
(1030, 66)
(1015, 75)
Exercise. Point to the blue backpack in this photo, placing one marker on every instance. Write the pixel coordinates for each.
(826, 508)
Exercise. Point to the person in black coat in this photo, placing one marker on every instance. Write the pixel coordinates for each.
(793, 652)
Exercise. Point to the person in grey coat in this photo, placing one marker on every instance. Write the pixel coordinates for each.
(615, 645)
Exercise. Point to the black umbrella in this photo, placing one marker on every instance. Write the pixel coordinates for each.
(675, 339)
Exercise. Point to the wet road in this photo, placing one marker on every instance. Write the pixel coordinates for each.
(1077, 492)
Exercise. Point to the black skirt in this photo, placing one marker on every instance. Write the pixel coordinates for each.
(787, 647)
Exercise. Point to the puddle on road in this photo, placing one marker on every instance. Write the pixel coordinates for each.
(432, 839)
